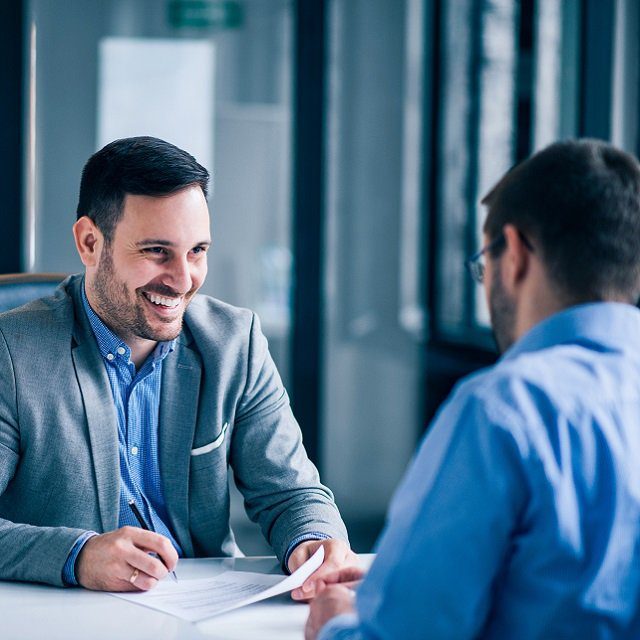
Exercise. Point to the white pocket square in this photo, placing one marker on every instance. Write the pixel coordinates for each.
(212, 445)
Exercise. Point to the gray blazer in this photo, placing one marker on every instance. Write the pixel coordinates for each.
(59, 473)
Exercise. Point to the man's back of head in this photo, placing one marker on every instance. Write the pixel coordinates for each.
(578, 201)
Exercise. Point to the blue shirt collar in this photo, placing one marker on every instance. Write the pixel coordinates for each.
(110, 345)
(613, 325)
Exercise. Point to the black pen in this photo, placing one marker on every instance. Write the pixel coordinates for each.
(145, 526)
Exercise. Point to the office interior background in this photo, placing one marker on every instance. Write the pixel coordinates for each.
(349, 143)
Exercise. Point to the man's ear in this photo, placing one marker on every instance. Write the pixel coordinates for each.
(89, 241)
(516, 260)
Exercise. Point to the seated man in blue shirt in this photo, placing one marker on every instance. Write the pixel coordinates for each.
(125, 397)
(520, 515)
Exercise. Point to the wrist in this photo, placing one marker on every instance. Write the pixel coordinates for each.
(313, 536)
(69, 575)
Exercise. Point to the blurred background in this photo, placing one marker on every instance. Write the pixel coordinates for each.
(349, 143)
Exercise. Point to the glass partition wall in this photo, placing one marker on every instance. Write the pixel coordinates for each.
(374, 284)
(219, 83)
(510, 74)
(216, 83)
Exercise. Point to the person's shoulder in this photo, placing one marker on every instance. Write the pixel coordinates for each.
(490, 392)
(47, 315)
(214, 324)
(506, 377)
(533, 386)
(205, 310)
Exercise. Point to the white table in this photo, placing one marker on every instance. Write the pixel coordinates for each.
(37, 612)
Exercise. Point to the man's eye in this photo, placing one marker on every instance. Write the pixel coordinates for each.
(199, 250)
(155, 250)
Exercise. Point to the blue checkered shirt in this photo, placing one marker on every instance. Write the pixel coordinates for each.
(136, 396)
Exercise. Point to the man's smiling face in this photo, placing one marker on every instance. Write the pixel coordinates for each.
(153, 266)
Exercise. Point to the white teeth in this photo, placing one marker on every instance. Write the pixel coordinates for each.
(165, 302)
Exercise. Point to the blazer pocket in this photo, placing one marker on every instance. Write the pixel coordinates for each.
(199, 451)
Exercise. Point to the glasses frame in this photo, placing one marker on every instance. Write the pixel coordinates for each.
(476, 267)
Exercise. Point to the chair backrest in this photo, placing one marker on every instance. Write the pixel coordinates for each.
(19, 288)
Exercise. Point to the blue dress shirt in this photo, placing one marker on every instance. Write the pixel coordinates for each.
(520, 514)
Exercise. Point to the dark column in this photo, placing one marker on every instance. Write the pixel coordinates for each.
(308, 219)
(11, 114)
(598, 25)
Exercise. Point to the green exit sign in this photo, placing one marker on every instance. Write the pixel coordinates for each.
(205, 14)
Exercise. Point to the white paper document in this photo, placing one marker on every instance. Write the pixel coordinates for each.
(202, 598)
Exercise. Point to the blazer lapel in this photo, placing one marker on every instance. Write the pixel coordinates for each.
(181, 374)
(103, 429)
(100, 413)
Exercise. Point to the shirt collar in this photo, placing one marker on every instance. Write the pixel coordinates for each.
(612, 325)
(110, 345)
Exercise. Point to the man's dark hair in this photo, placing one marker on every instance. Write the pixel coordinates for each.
(138, 166)
(578, 202)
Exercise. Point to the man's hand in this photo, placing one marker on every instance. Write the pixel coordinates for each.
(337, 555)
(333, 601)
(120, 560)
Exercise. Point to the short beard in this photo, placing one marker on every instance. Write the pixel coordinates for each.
(502, 311)
(122, 315)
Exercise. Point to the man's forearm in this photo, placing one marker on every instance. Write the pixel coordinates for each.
(35, 554)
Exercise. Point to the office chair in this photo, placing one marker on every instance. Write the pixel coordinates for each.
(19, 288)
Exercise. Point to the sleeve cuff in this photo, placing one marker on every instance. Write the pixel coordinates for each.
(342, 627)
(69, 569)
(312, 535)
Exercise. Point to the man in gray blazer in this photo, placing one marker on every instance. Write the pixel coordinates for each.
(124, 397)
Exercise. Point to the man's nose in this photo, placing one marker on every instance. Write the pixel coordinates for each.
(178, 275)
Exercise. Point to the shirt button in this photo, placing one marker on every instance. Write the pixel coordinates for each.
(121, 350)
(110, 357)
(134, 451)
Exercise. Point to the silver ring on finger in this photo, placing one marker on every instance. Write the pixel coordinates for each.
(134, 576)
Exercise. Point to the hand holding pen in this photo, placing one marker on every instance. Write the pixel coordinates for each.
(145, 526)
(126, 559)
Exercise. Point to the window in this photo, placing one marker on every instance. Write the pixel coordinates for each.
(509, 86)
(375, 258)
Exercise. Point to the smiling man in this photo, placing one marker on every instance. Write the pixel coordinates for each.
(125, 397)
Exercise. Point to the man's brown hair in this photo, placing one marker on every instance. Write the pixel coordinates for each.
(578, 202)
